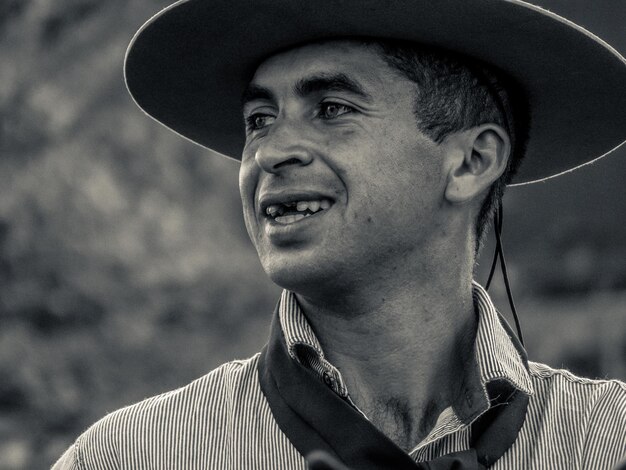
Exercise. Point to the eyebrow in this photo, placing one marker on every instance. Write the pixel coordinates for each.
(256, 92)
(308, 86)
(329, 82)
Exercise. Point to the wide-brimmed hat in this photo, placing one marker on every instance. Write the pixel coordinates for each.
(188, 65)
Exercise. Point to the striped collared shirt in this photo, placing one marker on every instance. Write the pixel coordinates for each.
(223, 420)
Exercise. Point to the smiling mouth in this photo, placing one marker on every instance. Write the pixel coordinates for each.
(294, 211)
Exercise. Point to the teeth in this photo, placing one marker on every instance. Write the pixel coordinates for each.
(273, 210)
(276, 211)
(314, 206)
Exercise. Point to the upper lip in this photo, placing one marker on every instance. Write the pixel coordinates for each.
(286, 196)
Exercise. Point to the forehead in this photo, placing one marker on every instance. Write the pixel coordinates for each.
(349, 57)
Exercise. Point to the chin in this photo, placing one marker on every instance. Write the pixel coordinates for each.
(297, 274)
(298, 279)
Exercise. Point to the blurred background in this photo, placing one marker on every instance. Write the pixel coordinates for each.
(125, 268)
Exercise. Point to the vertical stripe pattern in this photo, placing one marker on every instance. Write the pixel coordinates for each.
(223, 421)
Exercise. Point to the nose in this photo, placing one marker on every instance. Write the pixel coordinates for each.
(285, 145)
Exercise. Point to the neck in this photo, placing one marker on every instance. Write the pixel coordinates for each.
(400, 345)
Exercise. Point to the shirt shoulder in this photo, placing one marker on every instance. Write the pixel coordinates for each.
(588, 415)
(583, 393)
(158, 422)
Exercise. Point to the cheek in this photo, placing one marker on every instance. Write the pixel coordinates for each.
(248, 182)
(405, 180)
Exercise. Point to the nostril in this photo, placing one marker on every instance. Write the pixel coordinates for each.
(291, 161)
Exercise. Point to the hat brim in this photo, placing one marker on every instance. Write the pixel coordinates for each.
(189, 64)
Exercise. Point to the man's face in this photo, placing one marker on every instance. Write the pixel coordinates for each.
(338, 184)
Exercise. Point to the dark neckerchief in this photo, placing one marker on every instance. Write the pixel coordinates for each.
(313, 417)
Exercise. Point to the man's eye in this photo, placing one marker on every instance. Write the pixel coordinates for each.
(332, 110)
(256, 122)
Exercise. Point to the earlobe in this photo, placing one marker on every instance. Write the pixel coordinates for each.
(480, 159)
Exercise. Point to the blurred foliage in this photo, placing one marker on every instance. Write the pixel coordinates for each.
(125, 268)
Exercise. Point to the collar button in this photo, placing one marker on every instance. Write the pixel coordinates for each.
(328, 379)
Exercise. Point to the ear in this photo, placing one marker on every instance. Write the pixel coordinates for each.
(480, 158)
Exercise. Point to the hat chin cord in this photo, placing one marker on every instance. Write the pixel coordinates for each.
(499, 254)
(502, 102)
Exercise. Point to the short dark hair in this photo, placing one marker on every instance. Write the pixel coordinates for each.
(456, 93)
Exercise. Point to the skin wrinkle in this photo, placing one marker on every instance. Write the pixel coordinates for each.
(385, 274)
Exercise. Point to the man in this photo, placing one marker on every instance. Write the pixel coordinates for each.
(370, 167)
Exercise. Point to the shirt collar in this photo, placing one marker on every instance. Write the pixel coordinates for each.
(296, 327)
(303, 345)
(496, 358)
(496, 354)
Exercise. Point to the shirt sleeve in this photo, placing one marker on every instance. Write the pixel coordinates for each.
(605, 441)
(68, 460)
